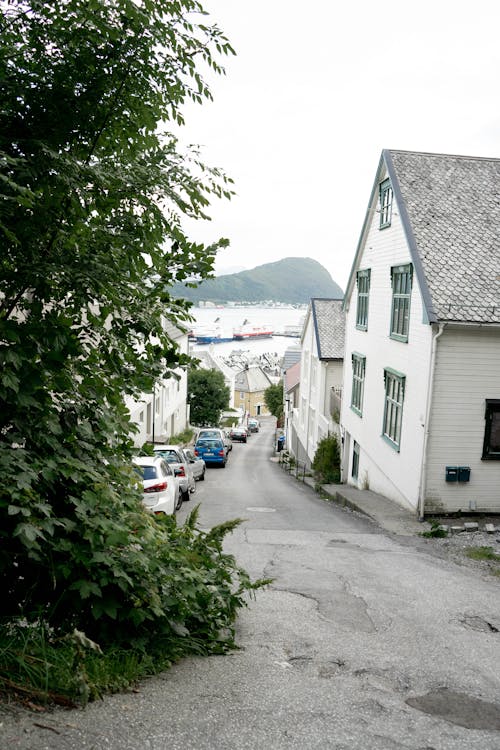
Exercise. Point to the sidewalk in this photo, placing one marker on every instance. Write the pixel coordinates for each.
(387, 514)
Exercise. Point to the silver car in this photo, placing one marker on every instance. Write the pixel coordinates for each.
(175, 456)
(197, 464)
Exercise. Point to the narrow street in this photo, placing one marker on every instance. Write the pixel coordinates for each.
(362, 642)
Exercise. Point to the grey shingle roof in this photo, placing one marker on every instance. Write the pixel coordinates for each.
(290, 357)
(329, 327)
(450, 208)
(252, 380)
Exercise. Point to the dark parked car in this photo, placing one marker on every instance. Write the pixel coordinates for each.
(253, 425)
(238, 434)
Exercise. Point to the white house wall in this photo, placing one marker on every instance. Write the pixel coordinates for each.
(467, 372)
(316, 378)
(167, 416)
(383, 469)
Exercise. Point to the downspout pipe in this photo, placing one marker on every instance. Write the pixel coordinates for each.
(430, 389)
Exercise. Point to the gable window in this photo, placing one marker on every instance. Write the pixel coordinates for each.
(393, 408)
(401, 279)
(363, 282)
(358, 382)
(385, 204)
(491, 445)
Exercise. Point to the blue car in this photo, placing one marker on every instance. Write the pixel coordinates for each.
(212, 451)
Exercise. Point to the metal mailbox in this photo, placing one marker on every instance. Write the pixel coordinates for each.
(464, 473)
(452, 473)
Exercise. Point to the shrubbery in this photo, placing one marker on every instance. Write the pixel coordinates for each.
(326, 463)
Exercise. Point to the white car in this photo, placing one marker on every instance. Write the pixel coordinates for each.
(161, 493)
(197, 464)
(174, 455)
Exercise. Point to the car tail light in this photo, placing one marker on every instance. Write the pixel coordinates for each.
(180, 472)
(196, 452)
(221, 453)
(157, 487)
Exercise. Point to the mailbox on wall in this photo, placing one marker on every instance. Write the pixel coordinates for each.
(463, 473)
(452, 473)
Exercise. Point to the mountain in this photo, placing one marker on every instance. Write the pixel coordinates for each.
(291, 280)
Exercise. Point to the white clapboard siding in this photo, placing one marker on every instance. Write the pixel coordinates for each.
(467, 372)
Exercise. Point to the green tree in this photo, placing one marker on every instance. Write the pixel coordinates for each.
(208, 396)
(273, 396)
(94, 196)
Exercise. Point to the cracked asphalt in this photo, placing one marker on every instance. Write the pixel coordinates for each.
(363, 640)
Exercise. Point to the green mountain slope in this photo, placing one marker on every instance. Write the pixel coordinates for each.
(291, 280)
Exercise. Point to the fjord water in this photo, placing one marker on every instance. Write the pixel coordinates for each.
(229, 318)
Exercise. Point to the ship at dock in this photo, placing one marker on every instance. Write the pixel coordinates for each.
(248, 332)
(213, 334)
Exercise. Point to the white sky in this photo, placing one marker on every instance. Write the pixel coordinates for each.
(316, 91)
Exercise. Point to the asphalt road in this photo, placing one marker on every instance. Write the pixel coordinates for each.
(361, 641)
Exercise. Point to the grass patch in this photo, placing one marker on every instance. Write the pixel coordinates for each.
(183, 438)
(435, 532)
(37, 667)
(483, 553)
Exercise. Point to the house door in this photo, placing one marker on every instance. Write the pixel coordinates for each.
(258, 409)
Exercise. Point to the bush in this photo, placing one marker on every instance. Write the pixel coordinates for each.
(150, 594)
(326, 463)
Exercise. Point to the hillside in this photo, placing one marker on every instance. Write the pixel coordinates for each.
(291, 280)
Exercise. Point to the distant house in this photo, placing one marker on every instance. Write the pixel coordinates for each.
(163, 413)
(321, 370)
(291, 393)
(249, 387)
(421, 406)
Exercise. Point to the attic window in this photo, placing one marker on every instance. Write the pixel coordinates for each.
(385, 204)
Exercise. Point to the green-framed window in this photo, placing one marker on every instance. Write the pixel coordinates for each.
(393, 408)
(401, 280)
(491, 444)
(386, 197)
(358, 382)
(363, 282)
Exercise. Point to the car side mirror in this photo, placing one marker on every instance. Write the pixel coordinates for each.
(177, 472)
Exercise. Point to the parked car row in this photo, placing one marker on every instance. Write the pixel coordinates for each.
(169, 477)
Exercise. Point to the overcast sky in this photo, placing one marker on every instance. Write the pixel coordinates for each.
(316, 91)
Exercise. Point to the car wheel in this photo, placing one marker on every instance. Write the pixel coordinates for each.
(184, 497)
(202, 478)
(179, 502)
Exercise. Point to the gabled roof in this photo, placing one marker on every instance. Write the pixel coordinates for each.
(251, 380)
(292, 377)
(291, 356)
(329, 327)
(450, 211)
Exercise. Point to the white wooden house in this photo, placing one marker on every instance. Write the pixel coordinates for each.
(322, 344)
(291, 396)
(163, 413)
(421, 402)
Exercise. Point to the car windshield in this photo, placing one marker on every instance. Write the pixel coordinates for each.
(169, 455)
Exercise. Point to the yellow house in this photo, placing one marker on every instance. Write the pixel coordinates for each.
(249, 387)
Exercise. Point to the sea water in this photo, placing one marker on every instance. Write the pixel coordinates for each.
(229, 318)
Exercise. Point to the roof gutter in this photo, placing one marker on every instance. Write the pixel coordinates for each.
(430, 389)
